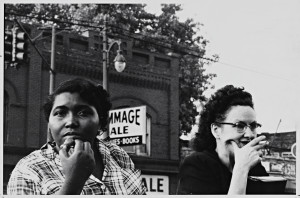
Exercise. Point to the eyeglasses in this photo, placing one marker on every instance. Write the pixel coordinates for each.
(242, 126)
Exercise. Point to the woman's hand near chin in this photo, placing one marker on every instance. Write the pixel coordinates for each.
(245, 158)
(78, 164)
(249, 155)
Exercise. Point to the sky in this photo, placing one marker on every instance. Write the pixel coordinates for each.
(259, 47)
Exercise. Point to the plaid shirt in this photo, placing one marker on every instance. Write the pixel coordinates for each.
(41, 173)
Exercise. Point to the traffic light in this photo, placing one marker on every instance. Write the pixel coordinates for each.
(8, 43)
(19, 45)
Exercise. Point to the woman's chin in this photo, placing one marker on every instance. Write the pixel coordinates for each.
(242, 144)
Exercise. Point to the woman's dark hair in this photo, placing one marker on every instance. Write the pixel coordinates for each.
(93, 94)
(215, 110)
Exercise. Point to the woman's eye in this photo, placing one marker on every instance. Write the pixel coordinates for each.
(84, 113)
(240, 125)
(59, 113)
(254, 125)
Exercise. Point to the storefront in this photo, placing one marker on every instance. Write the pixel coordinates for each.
(150, 80)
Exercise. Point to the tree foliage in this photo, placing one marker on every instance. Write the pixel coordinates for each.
(164, 29)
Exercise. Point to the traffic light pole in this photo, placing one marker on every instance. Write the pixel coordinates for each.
(52, 68)
(51, 71)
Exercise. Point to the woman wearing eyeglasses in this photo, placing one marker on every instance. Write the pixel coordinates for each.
(227, 149)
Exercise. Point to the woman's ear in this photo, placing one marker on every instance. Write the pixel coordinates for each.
(215, 130)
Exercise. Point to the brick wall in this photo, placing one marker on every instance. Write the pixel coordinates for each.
(153, 83)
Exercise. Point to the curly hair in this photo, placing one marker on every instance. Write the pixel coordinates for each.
(93, 94)
(215, 110)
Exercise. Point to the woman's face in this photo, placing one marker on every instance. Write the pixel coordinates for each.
(226, 133)
(72, 117)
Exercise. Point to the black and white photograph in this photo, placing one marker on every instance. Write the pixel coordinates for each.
(150, 98)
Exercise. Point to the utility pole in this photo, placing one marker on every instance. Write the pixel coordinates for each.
(105, 54)
(52, 66)
(52, 72)
(53, 53)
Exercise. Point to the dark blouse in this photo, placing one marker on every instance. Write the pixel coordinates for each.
(203, 173)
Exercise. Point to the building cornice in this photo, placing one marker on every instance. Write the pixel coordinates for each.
(92, 69)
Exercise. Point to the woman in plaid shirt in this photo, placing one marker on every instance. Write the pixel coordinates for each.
(76, 162)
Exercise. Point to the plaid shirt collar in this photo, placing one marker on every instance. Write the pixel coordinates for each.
(49, 150)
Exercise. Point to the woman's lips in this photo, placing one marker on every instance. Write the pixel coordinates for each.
(75, 136)
(72, 134)
(243, 142)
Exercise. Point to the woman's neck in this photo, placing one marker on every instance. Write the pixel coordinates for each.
(99, 169)
(224, 157)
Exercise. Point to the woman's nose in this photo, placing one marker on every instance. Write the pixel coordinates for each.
(250, 133)
(71, 121)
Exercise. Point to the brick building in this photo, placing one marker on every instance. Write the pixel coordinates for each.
(149, 79)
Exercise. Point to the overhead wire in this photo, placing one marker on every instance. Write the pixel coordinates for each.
(130, 35)
(254, 71)
(87, 25)
(151, 40)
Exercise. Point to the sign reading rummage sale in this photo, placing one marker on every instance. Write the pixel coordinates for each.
(127, 126)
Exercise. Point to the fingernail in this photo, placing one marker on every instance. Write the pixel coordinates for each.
(263, 142)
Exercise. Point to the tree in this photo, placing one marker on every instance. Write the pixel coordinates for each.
(165, 30)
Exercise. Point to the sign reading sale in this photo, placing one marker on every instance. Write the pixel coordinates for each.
(156, 184)
(127, 126)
